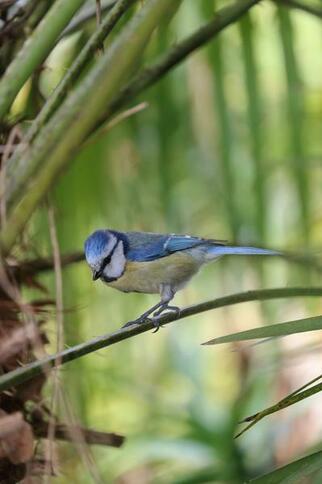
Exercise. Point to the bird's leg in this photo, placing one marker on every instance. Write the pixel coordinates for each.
(145, 316)
(167, 294)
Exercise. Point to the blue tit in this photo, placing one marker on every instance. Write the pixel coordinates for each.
(154, 263)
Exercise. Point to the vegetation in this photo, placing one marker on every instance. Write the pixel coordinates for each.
(195, 117)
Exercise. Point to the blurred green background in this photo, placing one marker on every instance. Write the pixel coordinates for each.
(229, 147)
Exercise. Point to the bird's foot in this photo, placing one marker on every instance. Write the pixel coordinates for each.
(173, 309)
(158, 313)
(155, 320)
(156, 323)
(140, 320)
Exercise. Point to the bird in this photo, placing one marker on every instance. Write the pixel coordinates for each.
(154, 263)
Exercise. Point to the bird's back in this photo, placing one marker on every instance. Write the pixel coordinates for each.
(147, 246)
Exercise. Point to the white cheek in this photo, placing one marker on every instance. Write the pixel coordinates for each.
(116, 267)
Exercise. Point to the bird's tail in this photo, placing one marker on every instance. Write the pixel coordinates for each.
(219, 250)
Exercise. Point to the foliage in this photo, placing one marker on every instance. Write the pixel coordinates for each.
(227, 144)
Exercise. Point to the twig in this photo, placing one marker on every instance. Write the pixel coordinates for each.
(79, 439)
(60, 336)
(20, 375)
(58, 278)
(46, 264)
(86, 14)
(98, 12)
(294, 397)
(91, 437)
(12, 148)
(114, 121)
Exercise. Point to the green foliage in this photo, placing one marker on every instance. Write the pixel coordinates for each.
(272, 331)
(301, 470)
(229, 146)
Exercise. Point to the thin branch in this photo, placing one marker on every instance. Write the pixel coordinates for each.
(115, 121)
(60, 336)
(87, 13)
(311, 9)
(98, 12)
(91, 437)
(287, 401)
(23, 374)
(83, 450)
(46, 264)
(58, 277)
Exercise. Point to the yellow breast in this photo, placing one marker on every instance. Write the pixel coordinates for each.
(148, 277)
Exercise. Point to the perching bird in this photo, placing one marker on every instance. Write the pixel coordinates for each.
(154, 263)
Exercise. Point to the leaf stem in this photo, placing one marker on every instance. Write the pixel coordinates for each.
(23, 374)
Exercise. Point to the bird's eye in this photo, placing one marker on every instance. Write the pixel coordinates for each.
(106, 261)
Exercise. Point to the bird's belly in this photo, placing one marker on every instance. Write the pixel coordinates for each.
(148, 277)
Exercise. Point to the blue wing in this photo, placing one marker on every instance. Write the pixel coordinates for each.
(147, 247)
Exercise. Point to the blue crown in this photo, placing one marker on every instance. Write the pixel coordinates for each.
(96, 242)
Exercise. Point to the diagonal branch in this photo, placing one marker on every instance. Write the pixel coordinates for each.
(87, 13)
(23, 374)
(287, 401)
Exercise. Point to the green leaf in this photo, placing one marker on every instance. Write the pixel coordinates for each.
(298, 395)
(296, 471)
(273, 330)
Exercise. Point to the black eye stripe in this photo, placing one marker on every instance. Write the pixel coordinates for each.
(108, 258)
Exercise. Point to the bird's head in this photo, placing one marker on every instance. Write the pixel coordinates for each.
(105, 254)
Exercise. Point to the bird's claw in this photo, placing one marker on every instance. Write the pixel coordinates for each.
(174, 309)
(156, 316)
(154, 321)
(156, 324)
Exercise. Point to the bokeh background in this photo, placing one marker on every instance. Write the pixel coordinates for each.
(229, 146)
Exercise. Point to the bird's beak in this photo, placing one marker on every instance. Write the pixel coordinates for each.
(96, 275)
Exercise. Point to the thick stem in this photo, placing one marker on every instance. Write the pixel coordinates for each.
(21, 375)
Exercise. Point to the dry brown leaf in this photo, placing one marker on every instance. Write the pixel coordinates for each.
(16, 438)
